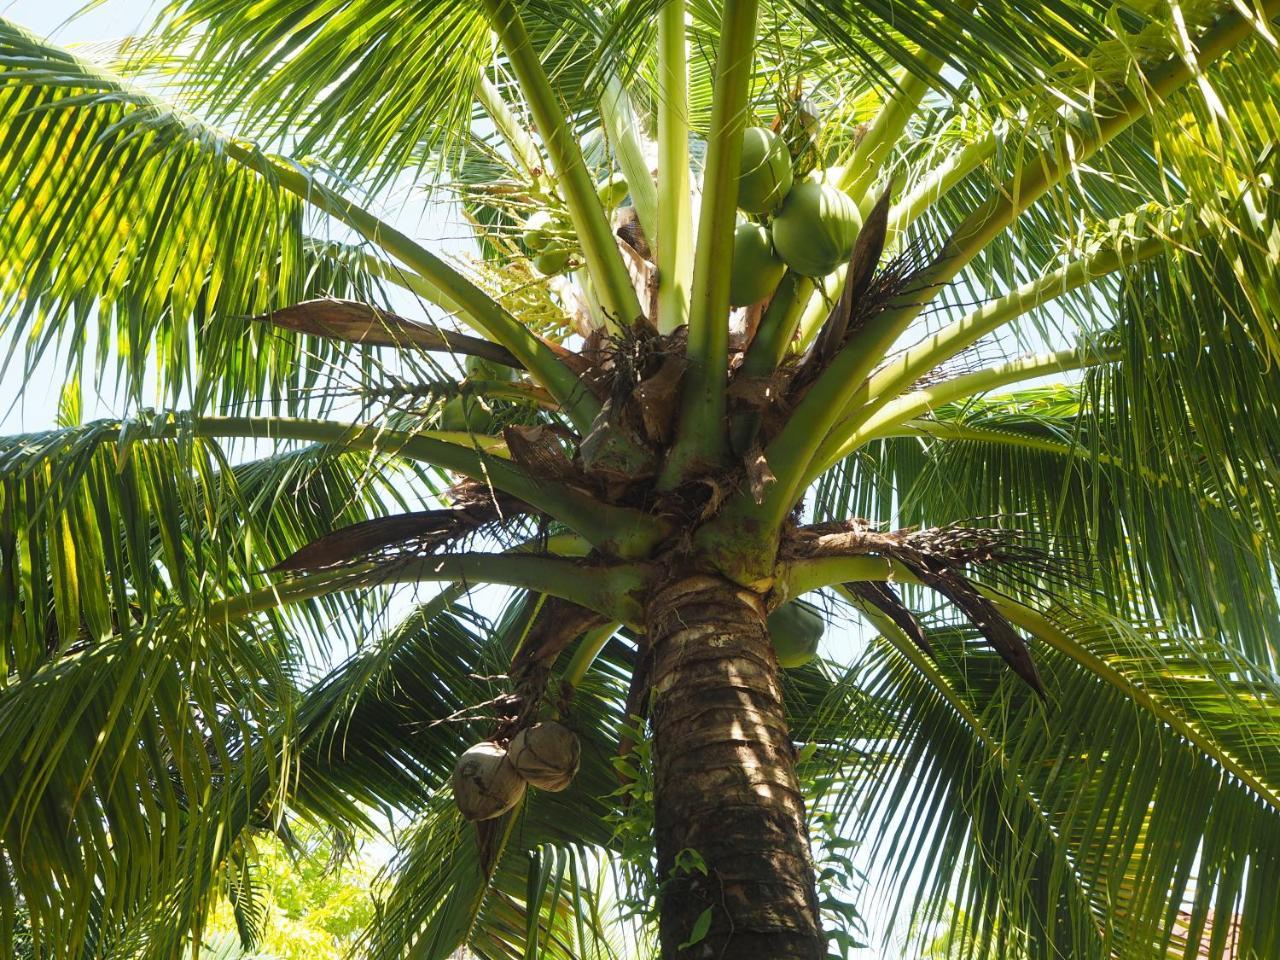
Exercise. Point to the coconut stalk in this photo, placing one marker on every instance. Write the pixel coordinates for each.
(675, 209)
(701, 442)
(354, 322)
(624, 128)
(600, 249)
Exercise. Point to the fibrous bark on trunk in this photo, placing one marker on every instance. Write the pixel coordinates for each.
(724, 781)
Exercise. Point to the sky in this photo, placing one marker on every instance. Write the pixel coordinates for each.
(115, 18)
(27, 405)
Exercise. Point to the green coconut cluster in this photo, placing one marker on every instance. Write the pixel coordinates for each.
(808, 226)
(549, 236)
(550, 239)
(811, 225)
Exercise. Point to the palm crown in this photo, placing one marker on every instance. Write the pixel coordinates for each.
(683, 383)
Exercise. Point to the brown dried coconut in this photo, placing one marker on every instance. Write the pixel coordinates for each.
(485, 784)
(546, 754)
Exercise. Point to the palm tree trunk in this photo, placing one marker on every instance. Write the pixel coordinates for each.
(724, 781)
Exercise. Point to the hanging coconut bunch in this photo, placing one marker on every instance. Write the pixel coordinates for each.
(549, 238)
(489, 780)
(546, 755)
(485, 784)
(808, 226)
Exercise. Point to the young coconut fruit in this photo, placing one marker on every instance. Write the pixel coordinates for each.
(553, 260)
(546, 755)
(816, 229)
(795, 629)
(764, 177)
(756, 269)
(538, 230)
(612, 190)
(462, 415)
(485, 784)
(478, 368)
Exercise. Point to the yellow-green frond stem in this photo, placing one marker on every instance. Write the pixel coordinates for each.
(777, 327)
(604, 588)
(700, 432)
(920, 402)
(624, 130)
(938, 182)
(604, 261)
(618, 530)
(517, 138)
(675, 205)
(589, 648)
(934, 429)
(901, 372)
(864, 166)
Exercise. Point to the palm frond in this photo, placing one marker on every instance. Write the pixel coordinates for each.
(107, 185)
(105, 525)
(1110, 830)
(316, 85)
(1159, 535)
(111, 755)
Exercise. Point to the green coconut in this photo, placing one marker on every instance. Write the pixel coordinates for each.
(815, 231)
(612, 190)
(796, 628)
(461, 415)
(552, 260)
(764, 175)
(756, 269)
(546, 754)
(485, 784)
(478, 368)
(538, 230)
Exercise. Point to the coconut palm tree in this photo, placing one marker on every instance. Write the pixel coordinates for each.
(955, 318)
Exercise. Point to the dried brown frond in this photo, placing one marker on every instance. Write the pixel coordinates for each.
(421, 533)
(353, 322)
(891, 285)
(884, 598)
(937, 557)
(959, 544)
